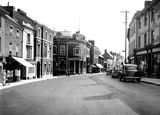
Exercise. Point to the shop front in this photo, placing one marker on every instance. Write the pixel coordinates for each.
(18, 68)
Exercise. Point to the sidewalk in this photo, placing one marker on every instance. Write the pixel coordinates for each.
(153, 81)
(21, 82)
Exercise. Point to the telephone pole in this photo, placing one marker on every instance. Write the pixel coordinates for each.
(125, 34)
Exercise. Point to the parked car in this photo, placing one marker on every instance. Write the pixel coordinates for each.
(116, 73)
(129, 71)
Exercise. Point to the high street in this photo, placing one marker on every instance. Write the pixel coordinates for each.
(95, 94)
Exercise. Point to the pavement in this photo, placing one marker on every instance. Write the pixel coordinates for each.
(152, 81)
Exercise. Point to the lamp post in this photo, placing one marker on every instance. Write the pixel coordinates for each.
(125, 34)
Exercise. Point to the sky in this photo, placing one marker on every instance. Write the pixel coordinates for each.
(99, 20)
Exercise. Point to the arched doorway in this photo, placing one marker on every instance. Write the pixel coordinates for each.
(38, 69)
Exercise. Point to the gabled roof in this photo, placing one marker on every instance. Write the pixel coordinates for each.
(107, 55)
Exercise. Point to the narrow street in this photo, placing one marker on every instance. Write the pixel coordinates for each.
(81, 95)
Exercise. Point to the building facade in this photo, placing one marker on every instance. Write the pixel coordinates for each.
(47, 51)
(147, 51)
(12, 33)
(71, 52)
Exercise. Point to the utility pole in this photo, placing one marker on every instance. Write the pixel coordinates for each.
(125, 34)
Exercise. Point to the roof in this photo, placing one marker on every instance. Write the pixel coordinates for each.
(101, 56)
(107, 55)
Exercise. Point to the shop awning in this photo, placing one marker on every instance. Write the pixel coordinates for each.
(93, 66)
(22, 61)
(99, 65)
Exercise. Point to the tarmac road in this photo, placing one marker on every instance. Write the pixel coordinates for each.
(81, 95)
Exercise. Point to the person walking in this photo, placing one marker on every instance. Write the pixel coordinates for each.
(68, 72)
(4, 78)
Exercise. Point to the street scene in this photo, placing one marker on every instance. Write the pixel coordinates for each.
(80, 58)
(96, 94)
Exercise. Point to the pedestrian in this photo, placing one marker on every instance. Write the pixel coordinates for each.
(4, 78)
(68, 72)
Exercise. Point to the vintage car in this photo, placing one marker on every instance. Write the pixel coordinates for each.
(116, 73)
(129, 71)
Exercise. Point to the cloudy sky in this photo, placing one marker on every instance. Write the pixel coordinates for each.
(100, 20)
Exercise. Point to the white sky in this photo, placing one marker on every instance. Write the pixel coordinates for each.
(100, 20)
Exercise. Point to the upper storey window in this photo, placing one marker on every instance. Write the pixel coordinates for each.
(145, 19)
(152, 14)
(11, 30)
(46, 34)
(39, 32)
(76, 51)
(139, 23)
(62, 50)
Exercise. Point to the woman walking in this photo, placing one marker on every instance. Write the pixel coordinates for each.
(4, 78)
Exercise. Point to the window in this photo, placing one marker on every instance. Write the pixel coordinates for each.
(17, 50)
(50, 52)
(28, 38)
(50, 37)
(139, 23)
(152, 37)
(76, 51)
(152, 14)
(145, 19)
(45, 51)
(0, 23)
(11, 30)
(17, 34)
(10, 48)
(39, 32)
(139, 42)
(46, 35)
(29, 52)
(0, 44)
(62, 50)
(54, 50)
(145, 39)
(38, 50)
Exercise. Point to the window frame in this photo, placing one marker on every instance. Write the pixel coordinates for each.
(11, 30)
(62, 50)
(55, 46)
